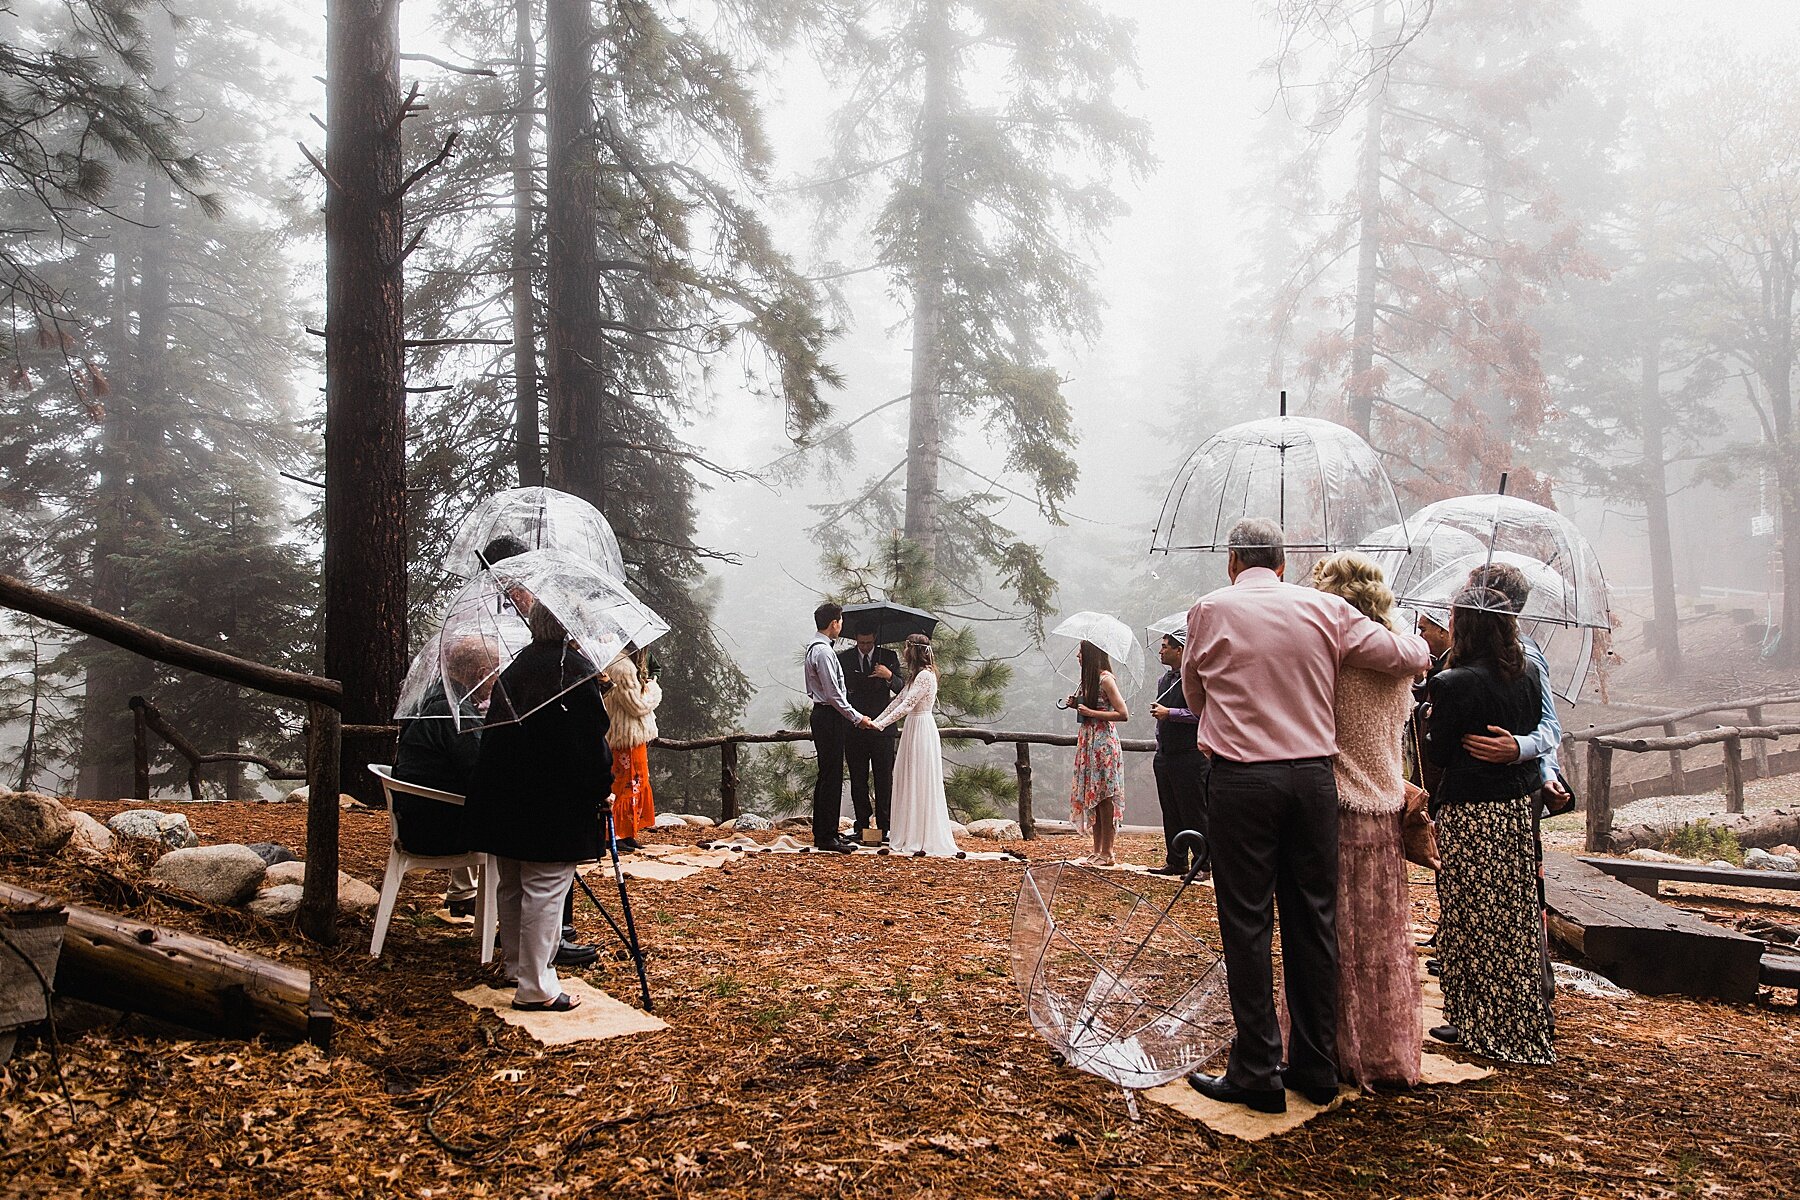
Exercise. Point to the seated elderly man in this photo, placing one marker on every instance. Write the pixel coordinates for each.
(435, 754)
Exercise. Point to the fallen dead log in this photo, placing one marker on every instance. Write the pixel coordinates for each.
(1760, 829)
(183, 978)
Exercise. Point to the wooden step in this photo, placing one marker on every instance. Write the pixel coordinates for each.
(1643, 944)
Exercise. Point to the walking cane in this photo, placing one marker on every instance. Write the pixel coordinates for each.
(628, 935)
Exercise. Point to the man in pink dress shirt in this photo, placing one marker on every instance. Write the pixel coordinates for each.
(1260, 669)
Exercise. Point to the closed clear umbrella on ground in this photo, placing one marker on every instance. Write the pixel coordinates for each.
(1106, 632)
(535, 518)
(1113, 981)
(1323, 484)
(489, 621)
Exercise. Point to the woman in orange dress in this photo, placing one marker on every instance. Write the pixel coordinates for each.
(631, 704)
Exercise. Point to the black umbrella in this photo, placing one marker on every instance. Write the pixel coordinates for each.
(891, 622)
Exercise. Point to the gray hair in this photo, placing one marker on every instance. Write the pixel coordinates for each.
(1257, 543)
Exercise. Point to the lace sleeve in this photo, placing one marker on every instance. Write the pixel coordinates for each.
(920, 695)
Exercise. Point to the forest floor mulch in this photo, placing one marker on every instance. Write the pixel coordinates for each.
(839, 1027)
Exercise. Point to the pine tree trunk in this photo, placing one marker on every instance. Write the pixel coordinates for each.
(365, 398)
(577, 392)
(1368, 200)
(924, 429)
(1665, 633)
(524, 300)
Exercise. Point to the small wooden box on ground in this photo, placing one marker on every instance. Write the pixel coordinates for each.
(1643, 944)
(31, 939)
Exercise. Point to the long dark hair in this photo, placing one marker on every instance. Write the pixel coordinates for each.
(1482, 630)
(1093, 661)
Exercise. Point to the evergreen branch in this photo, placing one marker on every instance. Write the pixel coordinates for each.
(428, 168)
(413, 56)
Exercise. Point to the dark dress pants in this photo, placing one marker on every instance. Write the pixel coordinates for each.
(871, 752)
(1275, 842)
(1181, 793)
(828, 732)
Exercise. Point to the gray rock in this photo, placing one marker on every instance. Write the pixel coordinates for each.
(958, 829)
(1053, 828)
(279, 901)
(669, 820)
(216, 874)
(697, 821)
(1719, 862)
(996, 828)
(353, 894)
(273, 852)
(1762, 860)
(794, 823)
(149, 825)
(90, 834)
(297, 796)
(34, 823)
(750, 821)
(1645, 854)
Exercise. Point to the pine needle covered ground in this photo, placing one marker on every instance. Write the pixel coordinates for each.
(841, 1027)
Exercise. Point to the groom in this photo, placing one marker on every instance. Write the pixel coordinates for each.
(832, 720)
(1260, 669)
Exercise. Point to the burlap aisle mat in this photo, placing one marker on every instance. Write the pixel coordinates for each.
(1248, 1125)
(599, 1015)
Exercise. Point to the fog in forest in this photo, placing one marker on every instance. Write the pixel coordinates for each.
(1581, 232)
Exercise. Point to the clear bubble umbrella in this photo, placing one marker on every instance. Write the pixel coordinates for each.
(1506, 525)
(535, 518)
(1549, 617)
(487, 628)
(1175, 623)
(1324, 485)
(1113, 981)
(1108, 633)
(1422, 557)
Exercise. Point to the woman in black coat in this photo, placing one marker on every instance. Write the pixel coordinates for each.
(1491, 928)
(539, 798)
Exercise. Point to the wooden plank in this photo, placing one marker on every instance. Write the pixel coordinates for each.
(1599, 796)
(1630, 868)
(1645, 945)
(1781, 970)
(1684, 714)
(193, 981)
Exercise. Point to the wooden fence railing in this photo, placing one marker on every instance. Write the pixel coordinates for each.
(728, 744)
(147, 719)
(323, 698)
(1599, 767)
(1754, 710)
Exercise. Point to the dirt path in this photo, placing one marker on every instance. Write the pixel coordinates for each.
(842, 1027)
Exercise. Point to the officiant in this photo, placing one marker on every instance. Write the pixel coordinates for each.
(872, 680)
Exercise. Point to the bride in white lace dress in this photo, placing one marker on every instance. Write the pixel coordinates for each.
(920, 816)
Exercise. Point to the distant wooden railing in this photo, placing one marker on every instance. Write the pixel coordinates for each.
(324, 699)
(728, 744)
(147, 719)
(1599, 767)
(1751, 706)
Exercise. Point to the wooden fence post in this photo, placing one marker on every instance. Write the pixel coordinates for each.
(1734, 775)
(1566, 756)
(1677, 775)
(140, 751)
(318, 898)
(1599, 794)
(1759, 749)
(728, 782)
(1022, 764)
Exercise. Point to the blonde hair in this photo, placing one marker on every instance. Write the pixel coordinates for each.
(919, 654)
(1358, 580)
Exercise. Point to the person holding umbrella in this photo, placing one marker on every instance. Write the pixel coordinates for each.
(1097, 795)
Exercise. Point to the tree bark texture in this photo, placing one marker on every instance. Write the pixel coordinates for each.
(1665, 633)
(365, 397)
(524, 300)
(924, 438)
(1368, 200)
(577, 392)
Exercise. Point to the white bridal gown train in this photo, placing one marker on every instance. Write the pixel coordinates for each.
(920, 816)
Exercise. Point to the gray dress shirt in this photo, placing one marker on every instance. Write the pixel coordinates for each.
(825, 678)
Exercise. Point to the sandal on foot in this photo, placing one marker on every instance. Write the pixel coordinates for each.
(562, 1003)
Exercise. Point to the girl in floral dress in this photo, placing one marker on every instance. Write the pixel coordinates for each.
(1097, 798)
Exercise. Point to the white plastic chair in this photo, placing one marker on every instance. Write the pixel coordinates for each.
(402, 861)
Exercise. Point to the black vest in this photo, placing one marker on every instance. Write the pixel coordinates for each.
(1174, 737)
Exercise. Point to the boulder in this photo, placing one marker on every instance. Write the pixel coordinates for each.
(297, 796)
(697, 821)
(1053, 828)
(796, 823)
(149, 825)
(34, 823)
(1645, 854)
(1762, 860)
(996, 828)
(669, 820)
(1785, 851)
(958, 829)
(90, 834)
(749, 821)
(1720, 862)
(354, 895)
(280, 901)
(225, 874)
(273, 852)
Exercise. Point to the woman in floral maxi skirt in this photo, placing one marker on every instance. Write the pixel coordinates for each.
(1097, 797)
